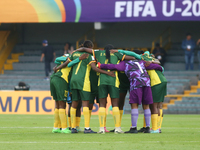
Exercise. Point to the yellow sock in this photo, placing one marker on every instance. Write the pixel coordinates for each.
(116, 116)
(73, 117)
(161, 118)
(69, 121)
(56, 118)
(102, 116)
(154, 121)
(86, 117)
(121, 113)
(105, 115)
(59, 124)
(144, 123)
(63, 118)
(90, 111)
(78, 120)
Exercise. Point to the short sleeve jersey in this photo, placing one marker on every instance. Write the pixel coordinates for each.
(100, 56)
(156, 76)
(81, 72)
(64, 73)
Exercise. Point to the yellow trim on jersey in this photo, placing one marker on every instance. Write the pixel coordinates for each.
(117, 83)
(69, 59)
(79, 64)
(93, 61)
(93, 53)
(154, 77)
(65, 73)
(86, 83)
(123, 57)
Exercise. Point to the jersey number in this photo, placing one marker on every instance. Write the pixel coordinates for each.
(79, 64)
(139, 67)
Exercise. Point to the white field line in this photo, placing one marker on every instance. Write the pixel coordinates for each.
(118, 142)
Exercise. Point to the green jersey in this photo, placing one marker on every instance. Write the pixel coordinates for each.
(64, 73)
(100, 56)
(81, 72)
(94, 80)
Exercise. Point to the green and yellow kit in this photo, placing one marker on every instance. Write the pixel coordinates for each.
(59, 82)
(80, 80)
(108, 84)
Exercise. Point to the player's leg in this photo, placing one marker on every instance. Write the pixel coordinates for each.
(134, 118)
(63, 117)
(143, 129)
(122, 96)
(69, 117)
(75, 102)
(78, 116)
(56, 128)
(103, 93)
(85, 103)
(160, 116)
(114, 94)
(154, 117)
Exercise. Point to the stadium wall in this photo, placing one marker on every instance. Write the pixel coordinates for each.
(129, 34)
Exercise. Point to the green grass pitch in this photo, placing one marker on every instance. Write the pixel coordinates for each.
(34, 132)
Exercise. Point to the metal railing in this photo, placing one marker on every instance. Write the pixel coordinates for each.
(3, 42)
(164, 40)
(89, 35)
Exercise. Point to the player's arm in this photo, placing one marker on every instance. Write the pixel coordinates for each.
(119, 67)
(77, 60)
(63, 65)
(83, 49)
(153, 66)
(129, 53)
(93, 65)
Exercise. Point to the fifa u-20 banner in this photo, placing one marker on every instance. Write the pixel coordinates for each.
(98, 10)
(33, 102)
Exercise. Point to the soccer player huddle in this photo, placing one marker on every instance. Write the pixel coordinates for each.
(90, 74)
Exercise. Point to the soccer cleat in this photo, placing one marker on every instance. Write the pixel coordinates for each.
(74, 130)
(112, 130)
(78, 129)
(86, 131)
(142, 130)
(159, 130)
(56, 131)
(132, 130)
(147, 130)
(105, 129)
(118, 130)
(69, 128)
(101, 131)
(66, 131)
(154, 131)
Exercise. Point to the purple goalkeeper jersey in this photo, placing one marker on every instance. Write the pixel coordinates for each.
(137, 74)
(135, 71)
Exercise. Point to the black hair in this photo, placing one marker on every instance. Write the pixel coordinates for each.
(138, 51)
(187, 34)
(88, 44)
(107, 48)
(157, 45)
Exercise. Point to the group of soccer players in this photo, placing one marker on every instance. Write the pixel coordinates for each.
(90, 74)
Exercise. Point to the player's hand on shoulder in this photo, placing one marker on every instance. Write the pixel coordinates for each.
(111, 73)
(54, 69)
(113, 51)
(83, 56)
(147, 63)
